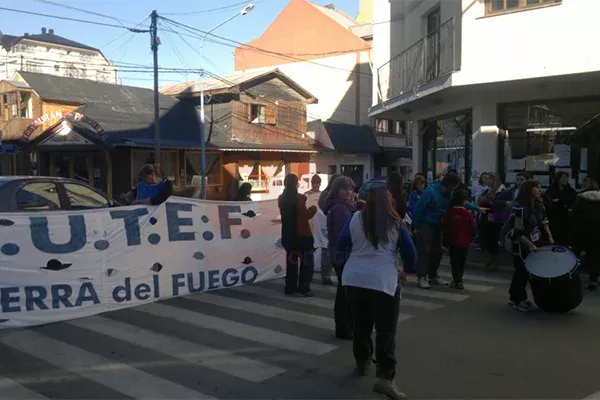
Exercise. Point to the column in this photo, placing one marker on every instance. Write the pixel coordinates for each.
(412, 131)
(484, 144)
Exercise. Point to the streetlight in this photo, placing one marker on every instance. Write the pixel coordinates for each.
(244, 11)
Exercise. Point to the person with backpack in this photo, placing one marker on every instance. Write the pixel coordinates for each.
(530, 230)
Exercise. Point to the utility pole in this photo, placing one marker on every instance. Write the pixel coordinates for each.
(154, 42)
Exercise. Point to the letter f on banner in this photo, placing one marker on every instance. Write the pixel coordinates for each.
(226, 222)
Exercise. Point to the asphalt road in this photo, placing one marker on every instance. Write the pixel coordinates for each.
(254, 343)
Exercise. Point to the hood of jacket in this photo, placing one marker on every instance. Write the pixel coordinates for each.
(590, 195)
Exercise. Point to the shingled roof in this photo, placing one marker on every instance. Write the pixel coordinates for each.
(8, 41)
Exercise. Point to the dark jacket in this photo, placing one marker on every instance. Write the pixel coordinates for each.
(585, 220)
(338, 213)
(530, 222)
(558, 213)
(295, 229)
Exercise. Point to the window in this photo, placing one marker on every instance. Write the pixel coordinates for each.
(38, 196)
(258, 114)
(10, 111)
(500, 6)
(82, 198)
(383, 125)
(32, 66)
(193, 172)
(168, 162)
(25, 105)
(400, 127)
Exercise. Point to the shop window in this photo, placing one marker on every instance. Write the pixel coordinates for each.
(168, 163)
(501, 6)
(83, 198)
(193, 172)
(38, 196)
(383, 125)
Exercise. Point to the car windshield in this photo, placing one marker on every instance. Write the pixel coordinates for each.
(3, 182)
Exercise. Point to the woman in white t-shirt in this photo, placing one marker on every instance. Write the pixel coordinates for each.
(372, 278)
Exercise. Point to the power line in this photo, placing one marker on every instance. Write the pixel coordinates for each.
(211, 9)
(81, 10)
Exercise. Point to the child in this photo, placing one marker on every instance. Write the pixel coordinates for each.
(458, 231)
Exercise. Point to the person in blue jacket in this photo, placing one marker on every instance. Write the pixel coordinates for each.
(373, 281)
(427, 226)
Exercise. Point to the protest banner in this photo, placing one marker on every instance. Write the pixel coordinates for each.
(56, 266)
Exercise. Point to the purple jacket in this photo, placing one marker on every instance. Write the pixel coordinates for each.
(338, 213)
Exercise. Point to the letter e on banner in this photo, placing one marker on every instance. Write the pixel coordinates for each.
(174, 222)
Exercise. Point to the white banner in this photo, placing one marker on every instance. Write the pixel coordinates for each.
(56, 266)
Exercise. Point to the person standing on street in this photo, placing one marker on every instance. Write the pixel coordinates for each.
(153, 188)
(296, 238)
(585, 221)
(562, 196)
(372, 278)
(427, 225)
(395, 185)
(458, 233)
(339, 209)
(531, 230)
(326, 263)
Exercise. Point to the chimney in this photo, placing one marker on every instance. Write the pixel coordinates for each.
(330, 6)
(50, 31)
(43, 31)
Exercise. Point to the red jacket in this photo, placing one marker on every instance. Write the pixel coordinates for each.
(458, 227)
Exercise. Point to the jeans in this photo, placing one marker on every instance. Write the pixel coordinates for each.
(300, 267)
(458, 260)
(342, 309)
(326, 265)
(518, 285)
(429, 250)
(372, 307)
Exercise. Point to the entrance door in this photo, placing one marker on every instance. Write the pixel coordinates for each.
(433, 43)
(86, 167)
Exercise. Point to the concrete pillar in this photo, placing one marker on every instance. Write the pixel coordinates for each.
(484, 143)
(417, 146)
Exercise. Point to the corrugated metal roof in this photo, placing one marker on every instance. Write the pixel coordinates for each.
(211, 84)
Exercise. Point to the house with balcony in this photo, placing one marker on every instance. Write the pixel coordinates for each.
(489, 85)
(329, 53)
(48, 53)
(255, 127)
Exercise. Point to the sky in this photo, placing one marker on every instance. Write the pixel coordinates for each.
(122, 46)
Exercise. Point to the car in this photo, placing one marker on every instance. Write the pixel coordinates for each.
(39, 193)
(378, 182)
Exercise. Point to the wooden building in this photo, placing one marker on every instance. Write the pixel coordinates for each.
(255, 127)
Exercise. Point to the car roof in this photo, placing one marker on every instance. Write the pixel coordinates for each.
(6, 179)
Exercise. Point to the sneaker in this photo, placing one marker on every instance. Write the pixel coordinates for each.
(457, 285)
(438, 281)
(523, 306)
(388, 388)
(423, 284)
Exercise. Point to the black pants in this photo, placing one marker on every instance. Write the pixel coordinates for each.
(491, 236)
(372, 307)
(518, 285)
(342, 310)
(458, 260)
(300, 266)
(429, 250)
(592, 263)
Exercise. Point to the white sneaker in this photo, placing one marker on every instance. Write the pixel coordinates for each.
(423, 284)
(438, 281)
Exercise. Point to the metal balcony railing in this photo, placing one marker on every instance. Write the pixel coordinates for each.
(429, 58)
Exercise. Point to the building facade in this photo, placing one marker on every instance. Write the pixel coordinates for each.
(255, 127)
(479, 90)
(48, 53)
(329, 53)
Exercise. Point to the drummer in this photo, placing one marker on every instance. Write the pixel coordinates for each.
(531, 230)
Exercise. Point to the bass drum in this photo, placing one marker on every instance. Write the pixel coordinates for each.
(555, 279)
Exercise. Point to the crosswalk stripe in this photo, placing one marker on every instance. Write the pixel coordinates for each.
(219, 360)
(240, 330)
(12, 390)
(319, 302)
(333, 290)
(267, 311)
(479, 278)
(118, 376)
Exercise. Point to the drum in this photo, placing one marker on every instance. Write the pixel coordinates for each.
(555, 278)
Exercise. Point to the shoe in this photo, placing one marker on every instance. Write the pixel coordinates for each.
(457, 285)
(327, 281)
(423, 284)
(438, 281)
(388, 388)
(307, 294)
(523, 306)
